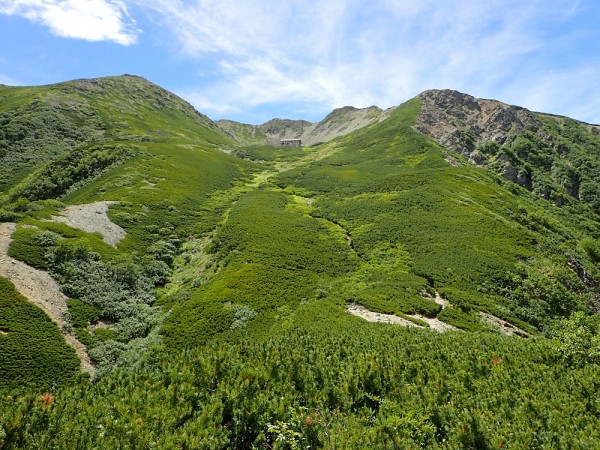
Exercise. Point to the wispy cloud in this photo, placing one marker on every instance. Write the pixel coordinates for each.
(91, 20)
(329, 54)
(566, 92)
(8, 80)
(317, 55)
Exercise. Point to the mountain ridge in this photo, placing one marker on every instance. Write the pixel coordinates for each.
(510, 139)
(338, 122)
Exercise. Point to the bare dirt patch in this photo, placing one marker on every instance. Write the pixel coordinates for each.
(503, 326)
(41, 290)
(101, 324)
(93, 219)
(371, 316)
(440, 300)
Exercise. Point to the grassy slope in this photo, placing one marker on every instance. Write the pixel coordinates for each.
(167, 184)
(399, 221)
(169, 170)
(462, 230)
(152, 150)
(377, 217)
(33, 353)
(38, 124)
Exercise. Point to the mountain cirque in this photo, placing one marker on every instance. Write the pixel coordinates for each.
(224, 312)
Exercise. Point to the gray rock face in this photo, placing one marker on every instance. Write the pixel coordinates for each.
(511, 173)
(460, 122)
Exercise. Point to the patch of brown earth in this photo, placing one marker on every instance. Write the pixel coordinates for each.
(440, 300)
(435, 323)
(103, 324)
(371, 316)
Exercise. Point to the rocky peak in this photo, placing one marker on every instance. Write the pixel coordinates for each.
(349, 112)
(281, 128)
(460, 122)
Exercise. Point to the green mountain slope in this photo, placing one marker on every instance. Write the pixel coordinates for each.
(384, 221)
(128, 124)
(221, 319)
(41, 123)
(158, 159)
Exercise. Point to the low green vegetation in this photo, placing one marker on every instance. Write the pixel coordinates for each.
(578, 339)
(33, 354)
(108, 287)
(269, 153)
(30, 245)
(325, 383)
(220, 320)
(155, 155)
(270, 257)
(468, 321)
(56, 178)
(559, 163)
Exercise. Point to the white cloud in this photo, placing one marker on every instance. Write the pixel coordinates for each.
(557, 92)
(339, 52)
(204, 104)
(91, 20)
(9, 81)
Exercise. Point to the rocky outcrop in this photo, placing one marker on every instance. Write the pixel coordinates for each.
(544, 153)
(460, 122)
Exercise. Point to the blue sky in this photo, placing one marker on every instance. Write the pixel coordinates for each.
(252, 60)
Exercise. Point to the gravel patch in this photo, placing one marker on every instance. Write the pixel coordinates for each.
(370, 316)
(503, 326)
(92, 218)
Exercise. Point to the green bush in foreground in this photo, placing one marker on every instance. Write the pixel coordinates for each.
(343, 384)
(579, 339)
(33, 353)
(30, 246)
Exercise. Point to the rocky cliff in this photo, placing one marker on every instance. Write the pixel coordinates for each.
(550, 155)
(461, 122)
